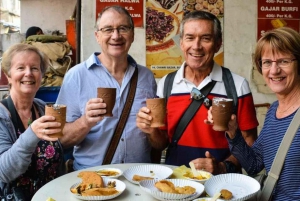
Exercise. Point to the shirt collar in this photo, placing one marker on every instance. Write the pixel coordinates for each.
(216, 73)
(94, 61)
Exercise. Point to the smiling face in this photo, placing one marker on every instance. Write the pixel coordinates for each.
(115, 44)
(198, 44)
(281, 81)
(25, 73)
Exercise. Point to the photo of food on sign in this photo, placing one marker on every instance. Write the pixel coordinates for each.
(215, 7)
(163, 17)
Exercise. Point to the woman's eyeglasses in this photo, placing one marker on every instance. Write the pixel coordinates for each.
(280, 63)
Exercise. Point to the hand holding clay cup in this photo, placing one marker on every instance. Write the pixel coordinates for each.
(157, 108)
(221, 113)
(109, 97)
(59, 112)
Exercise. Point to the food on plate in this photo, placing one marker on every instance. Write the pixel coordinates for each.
(167, 4)
(99, 191)
(140, 178)
(190, 175)
(226, 194)
(107, 172)
(215, 7)
(91, 178)
(185, 190)
(168, 187)
(93, 185)
(158, 25)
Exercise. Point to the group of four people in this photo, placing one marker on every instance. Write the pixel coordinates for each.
(30, 157)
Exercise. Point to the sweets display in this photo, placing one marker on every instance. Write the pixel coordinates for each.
(215, 7)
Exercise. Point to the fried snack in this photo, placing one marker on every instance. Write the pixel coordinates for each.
(166, 186)
(107, 173)
(140, 178)
(91, 178)
(99, 192)
(185, 190)
(226, 194)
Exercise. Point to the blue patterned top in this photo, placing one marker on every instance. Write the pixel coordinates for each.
(262, 154)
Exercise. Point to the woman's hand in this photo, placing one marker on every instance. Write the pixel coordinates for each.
(45, 126)
(232, 125)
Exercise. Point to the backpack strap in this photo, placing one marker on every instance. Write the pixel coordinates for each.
(230, 87)
(226, 77)
(168, 85)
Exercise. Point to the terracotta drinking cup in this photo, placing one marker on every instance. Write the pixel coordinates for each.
(109, 97)
(221, 112)
(59, 112)
(157, 108)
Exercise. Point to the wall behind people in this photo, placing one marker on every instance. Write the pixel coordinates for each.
(240, 24)
(49, 15)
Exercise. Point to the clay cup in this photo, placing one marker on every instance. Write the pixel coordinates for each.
(59, 112)
(109, 97)
(221, 112)
(157, 108)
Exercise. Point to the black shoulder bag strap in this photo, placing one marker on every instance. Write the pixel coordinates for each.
(230, 87)
(8, 103)
(123, 119)
(191, 111)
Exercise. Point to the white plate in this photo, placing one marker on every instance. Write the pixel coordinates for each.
(203, 173)
(120, 186)
(241, 186)
(154, 171)
(149, 187)
(120, 172)
(205, 199)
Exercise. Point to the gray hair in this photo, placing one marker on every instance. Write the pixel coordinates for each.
(120, 10)
(22, 47)
(203, 15)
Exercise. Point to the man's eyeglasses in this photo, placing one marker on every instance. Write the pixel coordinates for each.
(110, 30)
(281, 63)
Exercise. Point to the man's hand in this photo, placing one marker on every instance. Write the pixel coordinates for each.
(94, 110)
(208, 164)
(143, 120)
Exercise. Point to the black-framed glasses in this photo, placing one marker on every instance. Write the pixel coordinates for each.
(280, 63)
(110, 30)
(197, 95)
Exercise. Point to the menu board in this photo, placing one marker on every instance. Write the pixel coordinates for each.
(277, 13)
(134, 7)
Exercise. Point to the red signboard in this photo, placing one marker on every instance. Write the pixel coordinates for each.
(134, 7)
(277, 13)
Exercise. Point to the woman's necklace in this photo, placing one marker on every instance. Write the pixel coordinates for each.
(293, 105)
(29, 119)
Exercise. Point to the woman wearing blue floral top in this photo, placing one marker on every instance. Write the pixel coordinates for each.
(29, 156)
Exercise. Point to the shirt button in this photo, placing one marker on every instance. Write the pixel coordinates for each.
(122, 139)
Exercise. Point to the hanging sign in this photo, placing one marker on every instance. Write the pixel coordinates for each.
(277, 13)
(134, 7)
